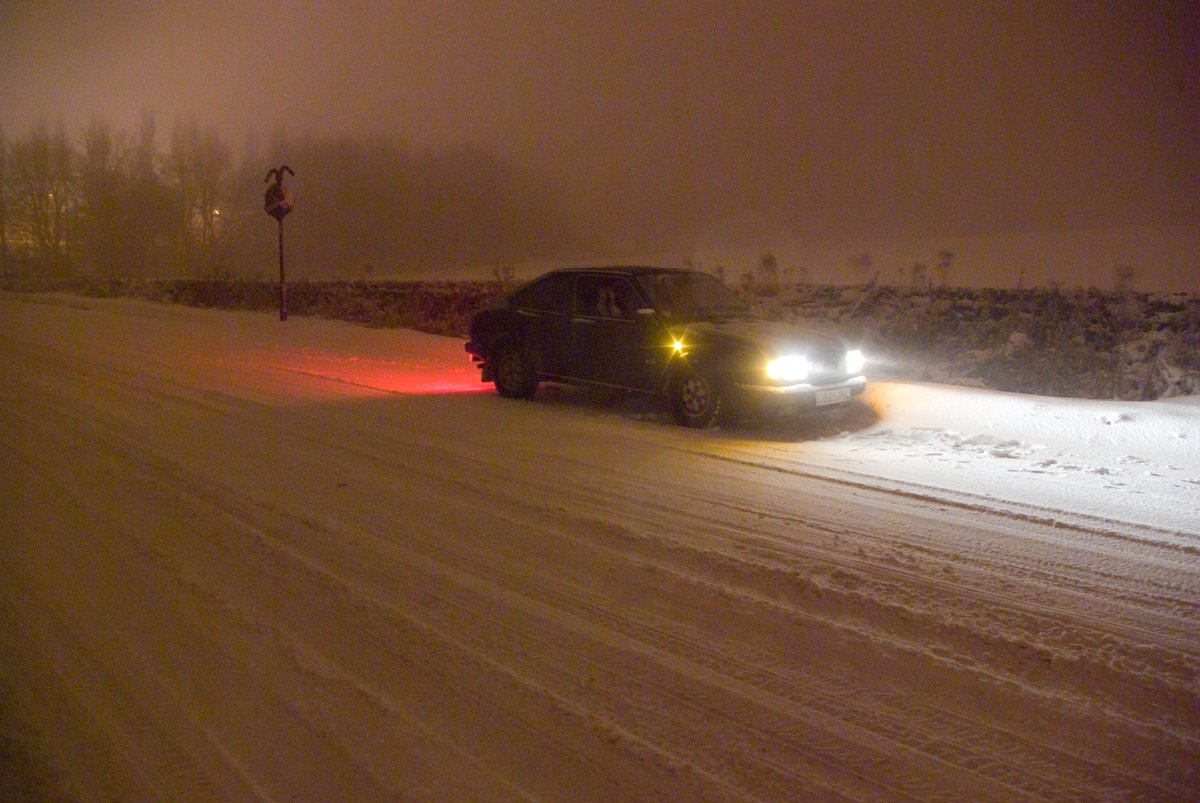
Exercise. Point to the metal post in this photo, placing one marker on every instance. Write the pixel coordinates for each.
(282, 279)
(277, 203)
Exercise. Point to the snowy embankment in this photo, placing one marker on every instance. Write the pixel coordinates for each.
(253, 560)
(1123, 461)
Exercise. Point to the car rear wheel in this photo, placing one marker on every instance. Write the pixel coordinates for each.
(514, 373)
(696, 399)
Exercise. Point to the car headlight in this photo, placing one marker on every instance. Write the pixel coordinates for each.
(789, 368)
(855, 361)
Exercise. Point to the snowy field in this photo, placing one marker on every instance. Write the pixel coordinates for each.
(245, 559)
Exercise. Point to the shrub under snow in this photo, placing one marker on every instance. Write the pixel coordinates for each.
(1077, 343)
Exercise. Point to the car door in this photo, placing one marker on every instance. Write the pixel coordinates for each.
(608, 336)
(544, 311)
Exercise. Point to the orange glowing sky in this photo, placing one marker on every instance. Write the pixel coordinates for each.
(663, 119)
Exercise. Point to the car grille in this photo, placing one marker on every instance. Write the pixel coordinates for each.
(828, 361)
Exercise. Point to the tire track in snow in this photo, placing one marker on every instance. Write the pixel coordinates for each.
(151, 466)
(94, 658)
(160, 464)
(1138, 588)
(721, 603)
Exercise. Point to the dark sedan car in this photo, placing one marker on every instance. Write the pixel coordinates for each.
(677, 334)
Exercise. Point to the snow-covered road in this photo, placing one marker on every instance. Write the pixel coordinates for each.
(308, 561)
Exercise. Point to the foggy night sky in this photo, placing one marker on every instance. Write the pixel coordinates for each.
(663, 120)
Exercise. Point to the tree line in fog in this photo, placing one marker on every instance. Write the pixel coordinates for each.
(141, 204)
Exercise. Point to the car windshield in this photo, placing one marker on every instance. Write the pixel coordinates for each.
(691, 295)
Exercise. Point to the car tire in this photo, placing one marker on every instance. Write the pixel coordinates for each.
(514, 373)
(696, 399)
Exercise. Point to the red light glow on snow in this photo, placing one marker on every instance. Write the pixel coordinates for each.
(309, 375)
(392, 376)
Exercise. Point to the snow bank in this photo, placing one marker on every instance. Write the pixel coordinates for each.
(1124, 463)
(1166, 432)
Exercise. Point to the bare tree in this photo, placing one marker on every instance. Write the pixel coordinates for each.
(945, 260)
(43, 183)
(199, 164)
(919, 277)
(768, 272)
(104, 195)
(861, 263)
(151, 205)
(1123, 278)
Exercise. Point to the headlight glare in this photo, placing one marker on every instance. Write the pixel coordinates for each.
(789, 368)
(855, 361)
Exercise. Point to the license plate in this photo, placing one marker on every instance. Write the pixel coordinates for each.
(836, 396)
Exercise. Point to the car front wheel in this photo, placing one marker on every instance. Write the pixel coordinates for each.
(514, 374)
(696, 399)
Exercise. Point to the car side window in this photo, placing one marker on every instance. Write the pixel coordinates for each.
(551, 293)
(626, 299)
(587, 296)
(606, 297)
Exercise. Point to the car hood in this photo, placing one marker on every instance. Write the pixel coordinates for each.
(770, 337)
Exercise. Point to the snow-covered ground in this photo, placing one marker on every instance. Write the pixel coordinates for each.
(245, 559)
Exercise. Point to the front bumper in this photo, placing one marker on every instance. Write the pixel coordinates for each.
(799, 398)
